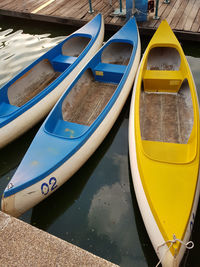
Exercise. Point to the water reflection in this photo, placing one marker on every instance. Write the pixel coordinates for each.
(195, 68)
(18, 49)
(110, 215)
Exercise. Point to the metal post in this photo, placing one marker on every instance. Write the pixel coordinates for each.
(119, 11)
(120, 6)
(90, 6)
(156, 12)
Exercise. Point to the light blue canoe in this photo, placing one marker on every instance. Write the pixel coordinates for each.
(78, 123)
(31, 94)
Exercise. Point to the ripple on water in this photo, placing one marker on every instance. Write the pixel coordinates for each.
(18, 50)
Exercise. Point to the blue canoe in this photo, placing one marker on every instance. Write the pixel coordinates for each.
(78, 123)
(31, 94)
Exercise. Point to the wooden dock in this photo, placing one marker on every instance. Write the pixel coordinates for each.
(182, 15)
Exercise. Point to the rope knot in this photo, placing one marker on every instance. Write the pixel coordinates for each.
(188, 245)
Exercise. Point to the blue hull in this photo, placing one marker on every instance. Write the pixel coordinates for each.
(60, 62)
(59, 140)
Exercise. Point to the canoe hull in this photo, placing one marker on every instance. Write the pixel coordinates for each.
(147, 216)
(175, 174)
(34, 114)
(22, 201)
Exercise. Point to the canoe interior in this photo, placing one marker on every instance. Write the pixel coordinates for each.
(87, 99)
(45, 72)
(167, 117)
(31, 83)
(163, 58)
(166, 109)
(117, 53)
(91, 93)
(74, 46)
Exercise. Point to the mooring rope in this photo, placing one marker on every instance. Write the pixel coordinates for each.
(188, 245)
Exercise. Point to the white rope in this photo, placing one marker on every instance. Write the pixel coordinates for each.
(138, 11)
(188, 245)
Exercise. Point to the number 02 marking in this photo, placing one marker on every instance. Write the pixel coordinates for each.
(45, 188)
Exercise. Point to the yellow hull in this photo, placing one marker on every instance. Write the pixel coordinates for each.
(164, 144)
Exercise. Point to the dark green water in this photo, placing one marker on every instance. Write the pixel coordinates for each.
(96, 209)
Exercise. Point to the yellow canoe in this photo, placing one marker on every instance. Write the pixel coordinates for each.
(164, 145)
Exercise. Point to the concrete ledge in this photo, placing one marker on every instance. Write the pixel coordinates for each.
(24, 245)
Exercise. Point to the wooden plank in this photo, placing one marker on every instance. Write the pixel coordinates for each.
(183, 19)
(69, 11)
(80, 12)
(42, 6)
(173, 11)
(23, 6)
(5, 3)
(98, 6)
(83, 11)
(106, 11)
(179, 14)
(33, 5)
(49, 10)
(10, 5)
(196, 22)
(166, 12)
(65, 9)
(192, 15)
